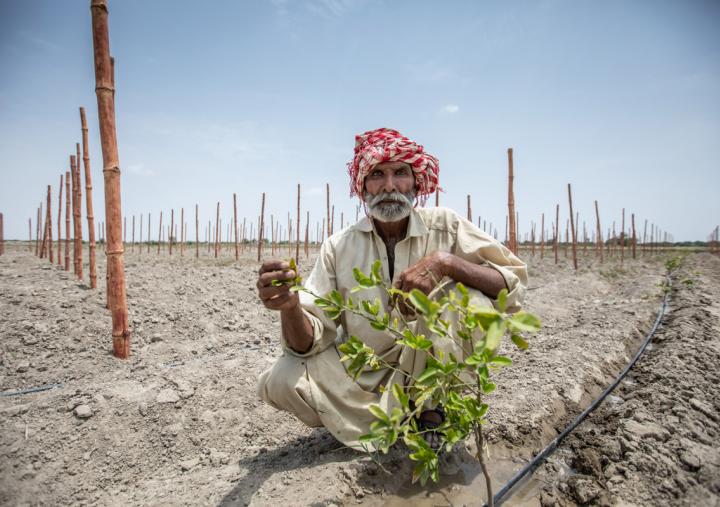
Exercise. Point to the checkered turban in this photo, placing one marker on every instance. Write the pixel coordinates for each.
(388, 145)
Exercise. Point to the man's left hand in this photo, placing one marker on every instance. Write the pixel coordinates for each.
(425, 274)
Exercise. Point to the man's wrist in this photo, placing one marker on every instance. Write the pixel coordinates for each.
(447, 265)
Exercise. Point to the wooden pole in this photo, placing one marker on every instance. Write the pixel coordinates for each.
(469, 209)
(297, 227)
(512, 238)
(43, 241)
(77, 225)
(572, 227)
(598, 232)
(105, 90)
(51, 256)
(261, 227)
(67, 220)
(644, 240)
(59, 222)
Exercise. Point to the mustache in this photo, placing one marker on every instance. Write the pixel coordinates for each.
(390, 196)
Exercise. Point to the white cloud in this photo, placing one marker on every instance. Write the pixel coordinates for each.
(450, 109)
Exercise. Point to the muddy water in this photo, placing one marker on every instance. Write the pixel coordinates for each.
(466, 486)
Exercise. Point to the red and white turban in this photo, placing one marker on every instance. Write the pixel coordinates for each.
(388, 145)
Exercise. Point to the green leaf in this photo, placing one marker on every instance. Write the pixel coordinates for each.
(401, 396)
(502, 300)
(519, 341)
(362, 279)
(420, 301)
(474, 359)
(375, 272)
(501, 360)
(379, 413)
(494, 335)
(427, 374)
(488, 387)
(525, 322)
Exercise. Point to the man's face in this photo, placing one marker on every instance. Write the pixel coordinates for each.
(390, 191)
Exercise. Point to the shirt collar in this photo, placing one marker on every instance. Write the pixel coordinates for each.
(416, 226)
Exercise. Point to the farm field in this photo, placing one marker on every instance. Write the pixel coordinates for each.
(180, 421)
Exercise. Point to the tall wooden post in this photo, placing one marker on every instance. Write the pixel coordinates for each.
(572, 227)
(77, 224)
(469, 210)
(59, 222)
(644, 241)
(512, 238)
(51, 257)
(105, 90)
(67, 220)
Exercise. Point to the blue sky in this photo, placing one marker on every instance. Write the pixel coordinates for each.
(621, 99)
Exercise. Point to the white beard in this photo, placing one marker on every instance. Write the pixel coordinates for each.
(390, 212)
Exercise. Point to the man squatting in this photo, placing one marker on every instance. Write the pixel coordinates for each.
(417, 247)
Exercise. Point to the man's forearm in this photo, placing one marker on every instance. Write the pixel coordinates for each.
(297, 329)
(487, 280)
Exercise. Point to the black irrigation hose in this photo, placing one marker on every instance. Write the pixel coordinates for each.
(498, 498)
(30, 390)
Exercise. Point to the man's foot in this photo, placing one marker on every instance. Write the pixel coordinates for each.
(427, 422)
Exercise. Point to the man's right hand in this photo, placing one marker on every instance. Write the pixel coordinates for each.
(277, 297)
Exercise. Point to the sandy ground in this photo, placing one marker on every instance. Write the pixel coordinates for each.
(180, 423)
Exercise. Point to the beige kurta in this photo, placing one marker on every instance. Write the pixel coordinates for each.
(315, 386)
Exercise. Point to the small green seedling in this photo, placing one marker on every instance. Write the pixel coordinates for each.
(293, 281)
(459, 384)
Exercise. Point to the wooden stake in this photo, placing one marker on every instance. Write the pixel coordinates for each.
(262, 227)
(542, 235)
(512, 238)
(77, 225)
(572, 227)
(469, 210)
(105, 90)
(67, 220)
(51, 256)
(59, 222)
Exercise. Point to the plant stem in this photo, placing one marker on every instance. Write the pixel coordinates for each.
(480, 443)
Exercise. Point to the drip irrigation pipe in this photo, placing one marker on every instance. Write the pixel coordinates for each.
(499, 497)
(30, 390)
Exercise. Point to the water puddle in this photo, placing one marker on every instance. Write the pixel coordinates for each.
(466, 486)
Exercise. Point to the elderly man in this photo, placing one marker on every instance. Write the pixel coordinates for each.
(417, 248)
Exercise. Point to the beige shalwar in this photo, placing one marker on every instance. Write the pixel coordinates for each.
(315, 386)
